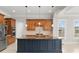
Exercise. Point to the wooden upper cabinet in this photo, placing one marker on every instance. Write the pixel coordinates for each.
(1, 19)
(33, 23)
(10, 23)
(13, 23)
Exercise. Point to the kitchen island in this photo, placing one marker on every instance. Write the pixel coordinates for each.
(39, 45)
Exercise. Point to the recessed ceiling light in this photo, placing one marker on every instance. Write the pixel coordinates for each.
(50, 11)
(28, 11)
(13, 11)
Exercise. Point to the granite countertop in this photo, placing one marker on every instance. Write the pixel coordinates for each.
(36, 37)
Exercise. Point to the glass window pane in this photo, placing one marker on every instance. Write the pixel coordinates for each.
(61, 28)
(76, 28)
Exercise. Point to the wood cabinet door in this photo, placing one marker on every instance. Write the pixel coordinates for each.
(1, 19)
(33, 23)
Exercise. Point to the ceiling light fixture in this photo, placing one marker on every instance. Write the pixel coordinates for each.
(39, 11)
(28, 9)
(39, 6)
(26, 15)
(52, 6)
(13, 11)
(26, 6)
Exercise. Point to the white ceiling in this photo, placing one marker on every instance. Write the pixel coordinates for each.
(31, 11)
(73, 11)
(69, 12)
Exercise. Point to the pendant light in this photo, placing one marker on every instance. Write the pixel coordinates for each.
(39, 16)
(26, 15)
(39, 11)
(52, 25)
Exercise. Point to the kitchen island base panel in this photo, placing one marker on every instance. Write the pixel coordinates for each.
(39, 46)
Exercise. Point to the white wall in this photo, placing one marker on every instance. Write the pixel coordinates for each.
(55, 28)
(20, 27)
(69, 30)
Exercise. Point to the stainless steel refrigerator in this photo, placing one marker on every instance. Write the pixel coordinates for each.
(2, 37)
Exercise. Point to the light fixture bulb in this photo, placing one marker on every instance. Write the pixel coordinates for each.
(50, 11)
(39, 23)
(26, 25)
(52, 25)
(13, 11)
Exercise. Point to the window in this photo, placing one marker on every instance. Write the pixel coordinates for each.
(76, 28)
(61, 28)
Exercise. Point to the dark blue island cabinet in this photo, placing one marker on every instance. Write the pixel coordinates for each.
(39, 45)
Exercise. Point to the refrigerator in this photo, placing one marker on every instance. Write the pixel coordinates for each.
(3, 42)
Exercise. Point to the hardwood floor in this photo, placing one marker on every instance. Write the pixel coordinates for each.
(10, 49)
